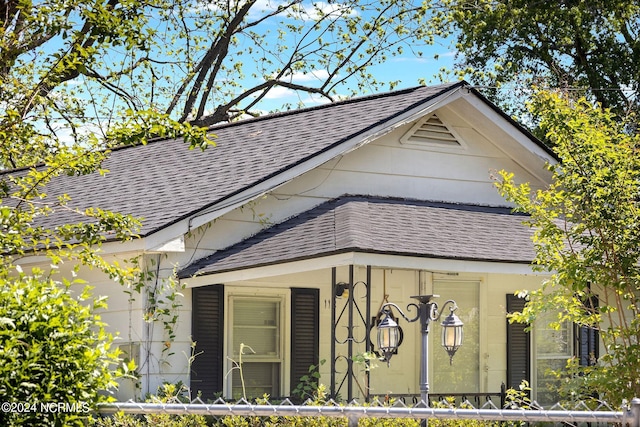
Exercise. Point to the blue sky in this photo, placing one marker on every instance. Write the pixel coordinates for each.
(408, 68)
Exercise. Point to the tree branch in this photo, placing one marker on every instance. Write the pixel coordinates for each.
(219, 46)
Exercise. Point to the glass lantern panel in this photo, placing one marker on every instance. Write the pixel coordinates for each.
(388, 338)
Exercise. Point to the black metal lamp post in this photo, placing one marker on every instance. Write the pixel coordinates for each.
(389, 334)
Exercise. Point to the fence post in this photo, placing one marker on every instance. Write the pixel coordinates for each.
(633, 414)
(353, 420)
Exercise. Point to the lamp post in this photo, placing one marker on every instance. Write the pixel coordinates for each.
(427, 311)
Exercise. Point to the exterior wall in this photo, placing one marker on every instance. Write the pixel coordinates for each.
(158, 359)
(124, 315)
(399, 285)
(384, 167)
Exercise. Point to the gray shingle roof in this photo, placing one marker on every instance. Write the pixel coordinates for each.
(164, 182)
(386, 226)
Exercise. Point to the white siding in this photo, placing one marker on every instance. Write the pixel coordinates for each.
(386, 168)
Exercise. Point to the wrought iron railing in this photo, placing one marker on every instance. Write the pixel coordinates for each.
(477, 400)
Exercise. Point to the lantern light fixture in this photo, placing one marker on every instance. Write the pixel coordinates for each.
(427, 312)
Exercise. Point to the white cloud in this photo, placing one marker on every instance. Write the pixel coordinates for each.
(279, 92)
(259, 8)
(314, 98)
(316, 10)
(313, 76)
(306, 77)
(285, 94)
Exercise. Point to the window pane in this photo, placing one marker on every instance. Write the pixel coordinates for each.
(553, 348)
(463, 375)
(256, 323)
(551, 342)
(546, 383)
(259, 378)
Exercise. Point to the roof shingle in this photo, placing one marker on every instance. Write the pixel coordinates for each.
(380, 225)
(163, 182)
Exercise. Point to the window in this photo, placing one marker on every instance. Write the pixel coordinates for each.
(257, 323)
(463, 375)
(531, 357)
(552, 348)
(220, 323)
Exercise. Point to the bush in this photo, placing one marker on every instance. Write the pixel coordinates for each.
(167, 393)
(55, 351)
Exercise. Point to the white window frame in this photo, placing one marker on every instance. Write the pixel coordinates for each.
(284, 297)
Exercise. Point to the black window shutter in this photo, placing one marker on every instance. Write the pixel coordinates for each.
(207, 330)
(305, 334)
(518, 346)
(587, 339)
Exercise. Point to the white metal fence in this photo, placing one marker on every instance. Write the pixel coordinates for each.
(630, 416)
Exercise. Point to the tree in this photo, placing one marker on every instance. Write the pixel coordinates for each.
(592, 47)
(74, 66)
(586, 236)
(54, 347)
(55, 350)
(80, 77)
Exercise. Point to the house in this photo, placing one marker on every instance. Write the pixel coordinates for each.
(292, 232)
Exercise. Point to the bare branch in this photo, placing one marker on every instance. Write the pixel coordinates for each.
(219, 47)
(221, 113)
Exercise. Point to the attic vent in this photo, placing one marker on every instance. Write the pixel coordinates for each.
(431, 131)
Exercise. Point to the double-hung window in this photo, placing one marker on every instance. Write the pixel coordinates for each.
(533, 356)
(553, 347)
(256, 327)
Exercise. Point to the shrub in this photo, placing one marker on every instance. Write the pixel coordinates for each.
(54, 351)
(167, 393)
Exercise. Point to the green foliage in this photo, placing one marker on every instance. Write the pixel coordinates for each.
(520, 398)
(117, 420)
(308, 384)
(586, 236)
(172, 393)
(167, 393)
(591, 47)
(155, 420)
(450, 403)
(54, 350)
(389, 422)
(44, 130)
(66, 66)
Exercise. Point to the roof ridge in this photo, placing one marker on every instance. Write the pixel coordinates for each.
(277, 114)
(346, 101)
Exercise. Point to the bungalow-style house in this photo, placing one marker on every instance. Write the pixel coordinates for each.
(292, 232)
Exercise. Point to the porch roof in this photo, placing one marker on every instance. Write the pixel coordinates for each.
(382, 226)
